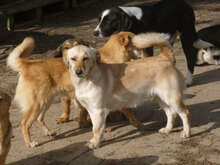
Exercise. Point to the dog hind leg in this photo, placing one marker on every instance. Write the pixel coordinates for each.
(171, 116)
(40, 119)
(172, 100)
(29, 116)
(183, 112)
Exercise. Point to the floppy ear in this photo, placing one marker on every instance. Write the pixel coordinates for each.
(125, 21)
(65, 60)
(58, 52)
(124, 39)
(63, 47)
(74, 44)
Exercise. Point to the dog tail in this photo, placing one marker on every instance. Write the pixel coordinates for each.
(146, 40)
(14, 60)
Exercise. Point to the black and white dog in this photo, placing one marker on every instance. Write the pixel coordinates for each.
(167, 16)
(210, 55)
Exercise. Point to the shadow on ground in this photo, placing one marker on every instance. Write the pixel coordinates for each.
(73, 155)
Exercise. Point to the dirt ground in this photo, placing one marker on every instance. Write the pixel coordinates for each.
(124, 144)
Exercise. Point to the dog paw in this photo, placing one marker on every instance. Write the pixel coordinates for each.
(184, 135)
(93, 144)
(49, 133)
(138, 125)
(33, 144)
(62, 120)
(164, 130)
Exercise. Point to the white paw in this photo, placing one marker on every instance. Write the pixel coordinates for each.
(93, 144)
(164, 130)
(184, 135)
(33, 144)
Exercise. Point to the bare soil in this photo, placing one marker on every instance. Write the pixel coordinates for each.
(124, 144)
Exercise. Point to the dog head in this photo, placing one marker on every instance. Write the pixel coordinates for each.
(80, 59)
(119, 49)
(111, 21)
(200, 60)
(69, 43)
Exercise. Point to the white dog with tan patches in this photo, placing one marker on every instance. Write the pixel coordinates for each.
(102, 88)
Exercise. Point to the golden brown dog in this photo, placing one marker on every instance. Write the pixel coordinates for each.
(102, 88)
(41, 80)
(5, 126)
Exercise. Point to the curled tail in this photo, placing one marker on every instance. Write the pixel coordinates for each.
(161, 40)
(14, 60)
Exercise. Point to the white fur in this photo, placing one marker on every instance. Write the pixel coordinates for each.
(207, 56)
(105, 88)
(189, 78)
(133, 11)
(14, 60)
(106, 12)
(201, 44)
(147, 38)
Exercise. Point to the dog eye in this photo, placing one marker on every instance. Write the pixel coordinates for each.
(65, 48)
(85, 58)
(73, 59)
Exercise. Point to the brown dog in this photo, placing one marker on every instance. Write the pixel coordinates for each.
(5, 126)
(41, 80)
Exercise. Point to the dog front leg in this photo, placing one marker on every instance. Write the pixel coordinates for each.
(98, 121)
(43, 126)
(83, 121)
(66, 102)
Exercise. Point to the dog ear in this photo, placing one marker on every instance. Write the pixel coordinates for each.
(65, 60)
(124, 39)
(75, 44)
(58, 52)
(63, 47)
(125, 21)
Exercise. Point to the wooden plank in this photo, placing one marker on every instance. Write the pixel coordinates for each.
(29, 5)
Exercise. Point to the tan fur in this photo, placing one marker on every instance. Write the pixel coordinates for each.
(102, 88)
(41, 80)
(5, 126)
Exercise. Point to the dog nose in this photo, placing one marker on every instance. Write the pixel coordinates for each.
(96, 33)
(79, 72)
